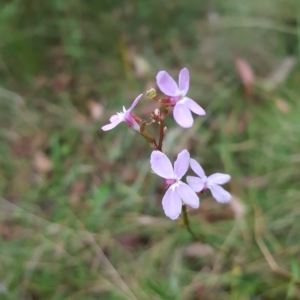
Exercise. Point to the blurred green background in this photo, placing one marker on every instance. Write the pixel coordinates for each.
(81, 214)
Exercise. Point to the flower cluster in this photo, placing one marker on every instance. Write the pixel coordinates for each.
(178, 192)
(176, 96)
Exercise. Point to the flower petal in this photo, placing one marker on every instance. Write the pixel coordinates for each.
(184, 81)
(197, 168)
(171, 203)
(161, 165)
(111, 125)
(181, 165)
(195, 107)
(183, 115)
(135, 102)
(218, 178)
(220, 194)
(196, 183)
(187, 195)
(114, 118)
(167, 84)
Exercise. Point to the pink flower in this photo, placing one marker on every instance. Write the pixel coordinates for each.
(183, 105)
(124, 116)
(211, 182)
(178, 191)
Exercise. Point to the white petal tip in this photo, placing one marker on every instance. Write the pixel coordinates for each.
(224, 200)
(105, 128)
(173, 217)
(184, 126)
(195, 206)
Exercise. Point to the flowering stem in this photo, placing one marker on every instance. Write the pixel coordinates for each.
(161, 134)
(188, 227)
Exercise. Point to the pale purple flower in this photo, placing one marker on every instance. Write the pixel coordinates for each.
(178, 191)
(124, 116)
(212, 182)
(177, 93)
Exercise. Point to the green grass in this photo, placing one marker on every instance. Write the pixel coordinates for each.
(93, 226)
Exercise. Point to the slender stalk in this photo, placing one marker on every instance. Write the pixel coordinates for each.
(188, 227)
(161, 134)
(165, 101)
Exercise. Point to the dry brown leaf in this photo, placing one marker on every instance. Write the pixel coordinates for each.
(42, 163)
(20, 183)
(131, 241)
(77, 189)
(141, 66)
(282, 105)
(27, 145)
(59, 248)
(198, 250)
(282, 71)
(96, 110)
(243, 121)
(40, 81)
(23, 147)
(80, 119)
(144, 220)
(6, 230)
(237, 207)
(61, 81)
(246, 75)
(128, 174)
(256, 182)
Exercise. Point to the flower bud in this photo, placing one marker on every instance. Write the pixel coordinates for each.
(157, 112)
(151, 93)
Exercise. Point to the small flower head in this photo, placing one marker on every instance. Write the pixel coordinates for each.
(178, 191)
(177, 93)
(124, 116)
(212, 182)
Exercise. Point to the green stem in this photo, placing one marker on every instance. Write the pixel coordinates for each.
(188, 227)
